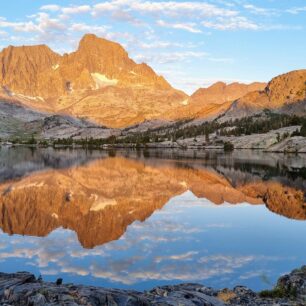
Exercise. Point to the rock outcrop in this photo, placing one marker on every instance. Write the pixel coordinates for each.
(24, 289)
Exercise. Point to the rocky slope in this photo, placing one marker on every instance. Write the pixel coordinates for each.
(268, 141)
(20, 122)
(281, 94)
(24, 289)
(272, 141)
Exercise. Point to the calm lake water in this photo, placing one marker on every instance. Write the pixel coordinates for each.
(138, 219)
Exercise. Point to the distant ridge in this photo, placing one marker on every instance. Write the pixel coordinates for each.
(284, 92)
(211, 101)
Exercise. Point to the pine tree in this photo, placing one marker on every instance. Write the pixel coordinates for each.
(303, 129)
(206, 136)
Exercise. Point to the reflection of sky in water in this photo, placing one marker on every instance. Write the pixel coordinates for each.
(189, 240)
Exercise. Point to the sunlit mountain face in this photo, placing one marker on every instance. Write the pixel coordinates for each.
(136, 219)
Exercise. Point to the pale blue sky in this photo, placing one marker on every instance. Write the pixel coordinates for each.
(192, 43)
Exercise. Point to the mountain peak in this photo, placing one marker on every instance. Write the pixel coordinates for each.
(96, 81)
(89, 36)
(101, 44)
(37, 71)
(217, 85)
(88, 39)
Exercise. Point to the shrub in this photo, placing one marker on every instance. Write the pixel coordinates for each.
(32, 141)
(228, 146)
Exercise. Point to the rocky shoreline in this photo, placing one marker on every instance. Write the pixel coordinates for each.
(23, 288)
(267, 142)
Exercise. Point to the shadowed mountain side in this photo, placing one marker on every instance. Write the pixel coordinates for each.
(99, 200)
(19, 121)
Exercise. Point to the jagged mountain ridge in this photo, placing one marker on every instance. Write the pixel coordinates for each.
(100, 83)
(25, 69)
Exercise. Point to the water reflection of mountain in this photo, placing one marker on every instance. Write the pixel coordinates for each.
(99, 199)
(21, 161)
(242, 167)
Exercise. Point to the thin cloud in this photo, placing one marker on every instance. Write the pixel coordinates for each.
(296, 10)
(50, 7)
(259, 10)
(166, 8)
(76, 9)
(190, 27)
(177, 257)
(236, 23)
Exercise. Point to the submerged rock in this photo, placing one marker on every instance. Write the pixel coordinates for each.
(23, 289)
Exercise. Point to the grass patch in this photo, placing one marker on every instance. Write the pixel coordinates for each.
(278, 292)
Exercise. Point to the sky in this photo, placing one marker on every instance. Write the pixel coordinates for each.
(192, 43)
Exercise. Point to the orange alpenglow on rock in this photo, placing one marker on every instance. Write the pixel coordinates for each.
(101, 83)
(98, 81)
(75, 198)
(284, 91)
(216, 99)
